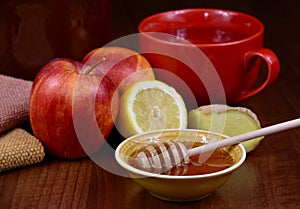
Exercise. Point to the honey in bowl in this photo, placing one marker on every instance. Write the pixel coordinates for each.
(217, 161)
(192, 187)
(157, 162)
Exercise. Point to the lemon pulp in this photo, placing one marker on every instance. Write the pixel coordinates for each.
(150, 105)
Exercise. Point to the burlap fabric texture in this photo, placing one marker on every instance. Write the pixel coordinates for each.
(14, 102)
(17, 147)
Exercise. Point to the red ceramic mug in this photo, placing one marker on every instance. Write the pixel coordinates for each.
(213, 54)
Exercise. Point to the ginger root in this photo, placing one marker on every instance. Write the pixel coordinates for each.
(227, 120)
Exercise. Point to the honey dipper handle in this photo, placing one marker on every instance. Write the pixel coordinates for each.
(244, 137)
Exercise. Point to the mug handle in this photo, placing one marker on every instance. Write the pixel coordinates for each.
(273, 67)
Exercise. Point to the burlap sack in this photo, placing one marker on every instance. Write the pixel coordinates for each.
(14, 101)
(19, 148)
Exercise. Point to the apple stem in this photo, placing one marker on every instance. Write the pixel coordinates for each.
(87, 71)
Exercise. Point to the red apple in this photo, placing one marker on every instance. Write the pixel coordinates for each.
(71, 111)
(123, 66)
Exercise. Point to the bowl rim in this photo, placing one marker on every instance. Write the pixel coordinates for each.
(145, 174)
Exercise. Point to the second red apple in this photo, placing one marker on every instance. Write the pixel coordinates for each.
(123, 66)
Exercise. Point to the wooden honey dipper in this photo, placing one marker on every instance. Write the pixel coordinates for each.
(160, 157)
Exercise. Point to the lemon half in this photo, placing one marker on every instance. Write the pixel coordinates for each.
(150, 105)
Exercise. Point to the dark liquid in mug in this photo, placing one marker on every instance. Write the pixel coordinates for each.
(202, 35)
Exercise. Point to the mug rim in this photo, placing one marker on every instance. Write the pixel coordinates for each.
(255, 20)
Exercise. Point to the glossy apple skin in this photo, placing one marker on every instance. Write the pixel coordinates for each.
(61, 96)
(123, 66)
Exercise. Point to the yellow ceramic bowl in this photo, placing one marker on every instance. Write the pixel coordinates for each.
(177, 188)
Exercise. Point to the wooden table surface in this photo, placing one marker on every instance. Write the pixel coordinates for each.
(270, 176)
